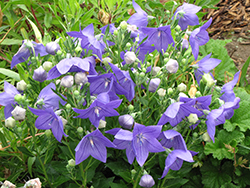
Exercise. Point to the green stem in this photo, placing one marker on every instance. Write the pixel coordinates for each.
(137, 179)
(44, 171)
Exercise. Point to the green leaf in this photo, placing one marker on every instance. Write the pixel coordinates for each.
(10, 74)
(11, 42)
(244, 71)
(31, 161)
(36, 30)
(216, 176)
(25, 151)
(47, 19)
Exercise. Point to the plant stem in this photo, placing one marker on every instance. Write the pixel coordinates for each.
(44, 171)
(137, 179)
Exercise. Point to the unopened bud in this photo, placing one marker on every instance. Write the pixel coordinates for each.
(182, 87)
(10, 122)
(130, 107)
(126, 121)
(68, 106)
(80, 130)
(67, 81)
(172, 66)
(153, 84)
(198, 94)
(34, 183)
(208, 80)
(52, 48)
(147, 181)
(21, 86)
(123, 25)
(102, 124)
(47, 132)
(64, 121)
(18, 98)
(47, 65)
(40, 74)
(155, 70)
(19, 113)
(170, 91)
(81, 78)
(193, 118)
(71, 162)
(206, 137)
(129, 57)
(161, 92)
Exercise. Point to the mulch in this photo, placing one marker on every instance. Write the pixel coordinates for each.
(230, 16)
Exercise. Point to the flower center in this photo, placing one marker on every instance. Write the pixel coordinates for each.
(140, 138)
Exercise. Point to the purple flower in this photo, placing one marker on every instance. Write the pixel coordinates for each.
(112, 28)
(88, 40)
(24, 52)
(200, 103)
(227, 89)
(105, 83)
(99, 109)
(205, 65)
(175, 159)
(7, 99)
(214, 118)
(199, 37)
(229, 108)
(93, 144)
(140, 18)
(161, 37)
(52, 48)
(143, 140)
(125, 81)
(74, 64)
(187, 15)
(153, 84)
(48, 99)
(172, 139)
(40, 74)
(176, 112)
(147, 181)
(48, 119)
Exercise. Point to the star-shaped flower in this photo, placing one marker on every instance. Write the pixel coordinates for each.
(93, 144)
(48, 119)
(199, 37)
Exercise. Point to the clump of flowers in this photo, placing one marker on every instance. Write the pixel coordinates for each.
(133, 94)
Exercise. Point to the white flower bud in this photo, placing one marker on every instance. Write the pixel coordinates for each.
(106, 60)
(47, 65)
(102, 124)
(34, 183)
(130, 57)
(182, 95)
(64, 121)
(193, 118)
(147, 181)
(155, 70)
(21, 86)
(19, 113)
(161, 92)
(181, 87)
(67, 81)
(52, 48)
(126, 121)
(71, 162)
(8, 184)
(81, 78)
(208, 80)
(172, 66)
(206, 137)
(153, 85)
(10, 122)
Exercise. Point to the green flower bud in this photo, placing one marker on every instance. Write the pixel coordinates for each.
(19, 129)
(78, 49)
(195, 135)
(47, 132)
(68, 106)
(123, 25)
(18, 98)
(142, 74)
(76, 93)
(198, 94)
(116, 32)
(128, 45)
(193, 118)
(71, 162)
(206, 137)
(170, 91)
(80, 130)
(130, 107)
